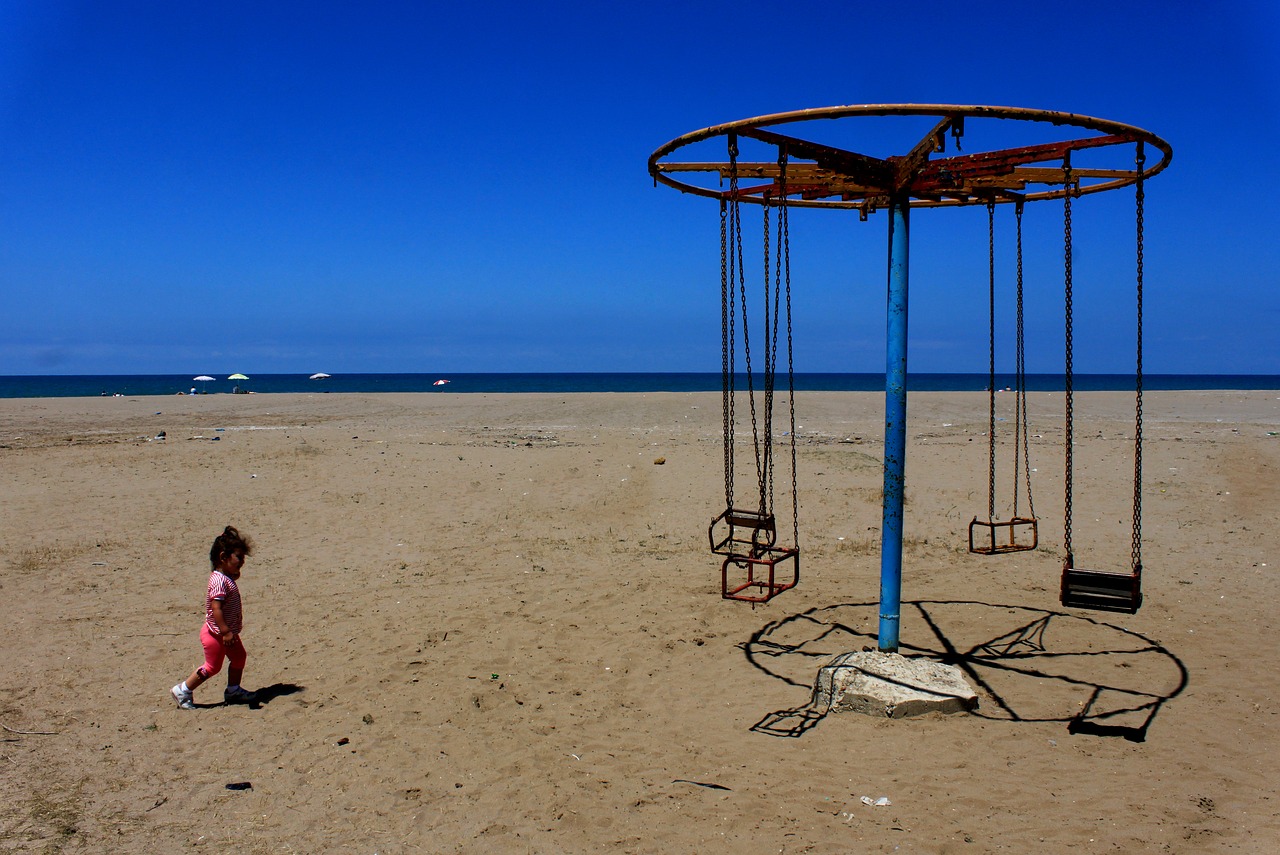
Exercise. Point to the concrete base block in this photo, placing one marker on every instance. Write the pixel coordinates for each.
(891, 685)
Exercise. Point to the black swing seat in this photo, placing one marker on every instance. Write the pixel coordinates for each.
(737, 532)
(983, 538)
(1102, 590)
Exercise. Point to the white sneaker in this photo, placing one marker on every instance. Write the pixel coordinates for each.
(239, 695)
(184, 698)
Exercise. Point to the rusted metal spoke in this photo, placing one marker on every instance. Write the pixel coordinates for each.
(951, 170)
(909, 164)
(1053, 175)
(860, 167)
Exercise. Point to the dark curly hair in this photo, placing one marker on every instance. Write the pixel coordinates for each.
(230, 541)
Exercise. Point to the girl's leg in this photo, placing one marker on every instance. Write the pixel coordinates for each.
(238, 655)
(214, 653)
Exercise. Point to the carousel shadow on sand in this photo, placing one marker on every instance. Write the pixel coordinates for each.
(1027, 664)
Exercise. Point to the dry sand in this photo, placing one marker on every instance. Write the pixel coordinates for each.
(491, 623)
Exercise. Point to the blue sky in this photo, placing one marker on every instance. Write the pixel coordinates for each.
(420, 187)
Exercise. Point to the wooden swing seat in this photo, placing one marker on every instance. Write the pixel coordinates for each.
(1016, 529)
(742, 532)
(1101, 590)
(758, 579)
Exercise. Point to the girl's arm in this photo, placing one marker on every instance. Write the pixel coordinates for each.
(224, 631)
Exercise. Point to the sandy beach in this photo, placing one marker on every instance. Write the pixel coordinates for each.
(491, 623)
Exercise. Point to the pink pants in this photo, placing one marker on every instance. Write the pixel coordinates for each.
(215, 651)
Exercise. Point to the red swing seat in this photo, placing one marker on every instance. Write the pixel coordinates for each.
(758, 579)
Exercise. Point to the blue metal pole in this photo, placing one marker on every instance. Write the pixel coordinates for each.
(895, 429)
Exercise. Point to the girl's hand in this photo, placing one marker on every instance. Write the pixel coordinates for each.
(228, 637)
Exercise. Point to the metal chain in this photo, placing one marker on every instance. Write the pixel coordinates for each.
(1069, 415)
(791, 376)
(735, 272)
(725, 369)
(1021, 426)
(770, 358)
(1137, 438)
(771, 324)
(991, 384)
(751, 383)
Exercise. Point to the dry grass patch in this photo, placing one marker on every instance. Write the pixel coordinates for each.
(40, 558)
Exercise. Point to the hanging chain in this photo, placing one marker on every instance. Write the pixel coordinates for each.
(771, 324)
(741, 291)
(1137, 436)
(770, 354)
(1069, 415)
(1021, 427)
(726, 383)
(791, 376)
(751, 383)
(991, 384)
(730, 362)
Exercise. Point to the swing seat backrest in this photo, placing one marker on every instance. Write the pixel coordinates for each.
(739, 532)
(1020, 534)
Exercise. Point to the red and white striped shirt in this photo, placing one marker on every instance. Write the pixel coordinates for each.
(222, 587)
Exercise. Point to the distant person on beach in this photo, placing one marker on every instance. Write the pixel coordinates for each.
(220, 634)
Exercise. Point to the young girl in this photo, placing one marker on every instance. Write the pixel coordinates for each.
(220, 634)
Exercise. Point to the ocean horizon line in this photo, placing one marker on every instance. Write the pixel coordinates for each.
(111, 385)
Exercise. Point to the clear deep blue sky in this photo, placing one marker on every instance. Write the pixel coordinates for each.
(426, 187)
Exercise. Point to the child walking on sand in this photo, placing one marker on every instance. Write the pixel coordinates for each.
(220, 634)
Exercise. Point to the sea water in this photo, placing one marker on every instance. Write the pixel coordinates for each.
(63, 386)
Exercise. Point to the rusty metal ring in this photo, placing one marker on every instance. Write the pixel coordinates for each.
(823, 176)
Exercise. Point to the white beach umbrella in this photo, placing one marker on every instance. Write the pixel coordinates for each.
(320, 375)
(203, 378)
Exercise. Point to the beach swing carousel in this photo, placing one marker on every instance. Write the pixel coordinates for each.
(787, 168)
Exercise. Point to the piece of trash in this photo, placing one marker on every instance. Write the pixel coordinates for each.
(240, 785)
(493, 676)
(866, 800)
(883, 801)
(160, 435)
(343, 741)
(659, 461)
(214, 438)
(701, 784)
